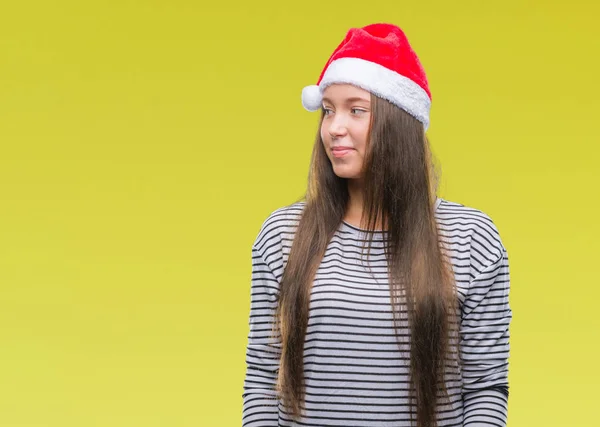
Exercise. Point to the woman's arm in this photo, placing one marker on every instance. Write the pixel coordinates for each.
(485, 345)
(260, 404)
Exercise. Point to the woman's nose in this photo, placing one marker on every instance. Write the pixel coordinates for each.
(337, 126)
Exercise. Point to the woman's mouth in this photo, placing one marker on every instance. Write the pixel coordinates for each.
(341, 152)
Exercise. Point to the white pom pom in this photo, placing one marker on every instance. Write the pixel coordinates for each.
(311, 98)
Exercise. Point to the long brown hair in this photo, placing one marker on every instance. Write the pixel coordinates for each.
(400, 187)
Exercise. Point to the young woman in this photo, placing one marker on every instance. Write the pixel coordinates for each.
(416, 331)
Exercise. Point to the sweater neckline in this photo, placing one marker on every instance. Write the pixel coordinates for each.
(377, 233)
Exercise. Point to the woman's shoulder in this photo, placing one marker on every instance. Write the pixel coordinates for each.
(471, 229)
(285, 216)
(280, 225)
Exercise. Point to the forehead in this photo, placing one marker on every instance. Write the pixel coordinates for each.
(339, 93)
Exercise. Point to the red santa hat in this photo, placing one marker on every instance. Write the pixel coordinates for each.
(377, 58)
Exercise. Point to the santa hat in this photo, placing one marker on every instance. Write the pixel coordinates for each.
(377, 58)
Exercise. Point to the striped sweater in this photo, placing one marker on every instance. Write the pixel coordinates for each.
(356, 372)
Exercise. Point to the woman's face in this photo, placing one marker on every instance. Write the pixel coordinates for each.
(346, 124)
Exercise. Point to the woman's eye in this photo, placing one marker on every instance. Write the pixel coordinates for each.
(355, 111)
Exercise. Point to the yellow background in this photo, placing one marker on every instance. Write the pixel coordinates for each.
(144, 142)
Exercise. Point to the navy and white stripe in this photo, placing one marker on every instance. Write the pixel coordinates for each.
(356, 371)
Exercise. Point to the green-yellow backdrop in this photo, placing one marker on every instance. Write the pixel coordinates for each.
(144, 142)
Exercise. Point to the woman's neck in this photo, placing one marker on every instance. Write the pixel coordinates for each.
(354, 210)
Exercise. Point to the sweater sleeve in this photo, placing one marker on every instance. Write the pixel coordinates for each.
(260, 403)
(484, 335)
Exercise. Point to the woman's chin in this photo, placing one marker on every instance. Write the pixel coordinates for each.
(346, 174)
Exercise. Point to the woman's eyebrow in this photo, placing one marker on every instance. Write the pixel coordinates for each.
(348, 100)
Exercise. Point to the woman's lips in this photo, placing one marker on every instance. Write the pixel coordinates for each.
(342, 151)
